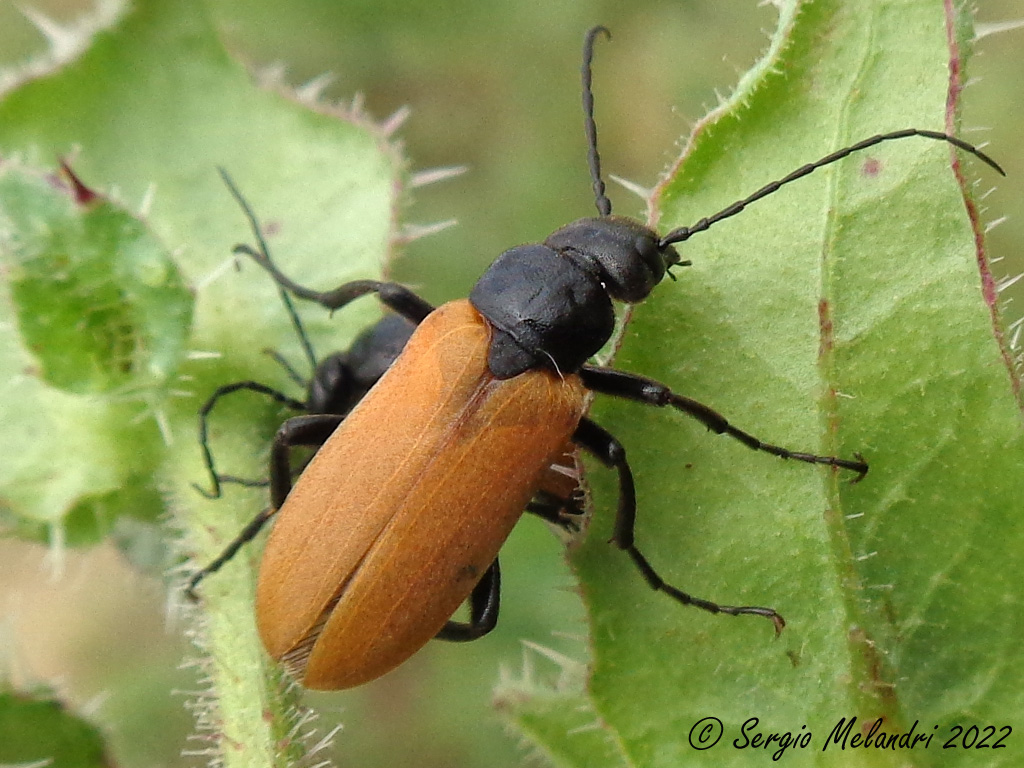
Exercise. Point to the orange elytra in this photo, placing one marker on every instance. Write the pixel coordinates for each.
(376, 546)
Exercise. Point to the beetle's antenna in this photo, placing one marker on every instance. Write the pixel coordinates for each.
(684, 233)
(262, 243)
(604, 205)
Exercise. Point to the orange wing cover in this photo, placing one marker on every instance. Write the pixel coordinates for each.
(402, 510)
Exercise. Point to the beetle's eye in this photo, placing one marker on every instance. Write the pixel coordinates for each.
(647, 249)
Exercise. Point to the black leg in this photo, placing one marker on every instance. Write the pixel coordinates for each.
(257, 232)
(204, 413)
(396, 297)
(300, 431)
(310, 431)
(632, 387)
(610, 452)
(561, 512)
(244, 537)
(483, 610)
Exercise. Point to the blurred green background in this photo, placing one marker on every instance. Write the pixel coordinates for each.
(494, 87)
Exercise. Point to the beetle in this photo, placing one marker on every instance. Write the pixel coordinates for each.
(337, 383)
(399, 516)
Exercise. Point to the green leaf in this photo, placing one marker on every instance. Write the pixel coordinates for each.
(556, 715)
(155, 104)
(149, 110)
(37, 729)
(844, 314)
(101, 314)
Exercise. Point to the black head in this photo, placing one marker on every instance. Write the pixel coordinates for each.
(626, 256)
(550, 304)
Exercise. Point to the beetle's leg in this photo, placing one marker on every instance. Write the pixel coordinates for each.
(246, 535)
(309, 431)
(257, 232)
(610, 452)
(483, 610)
(204, 414)
(559, 498)
(561, 512)
(397, 297)
(630, 386)
(394, 296)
